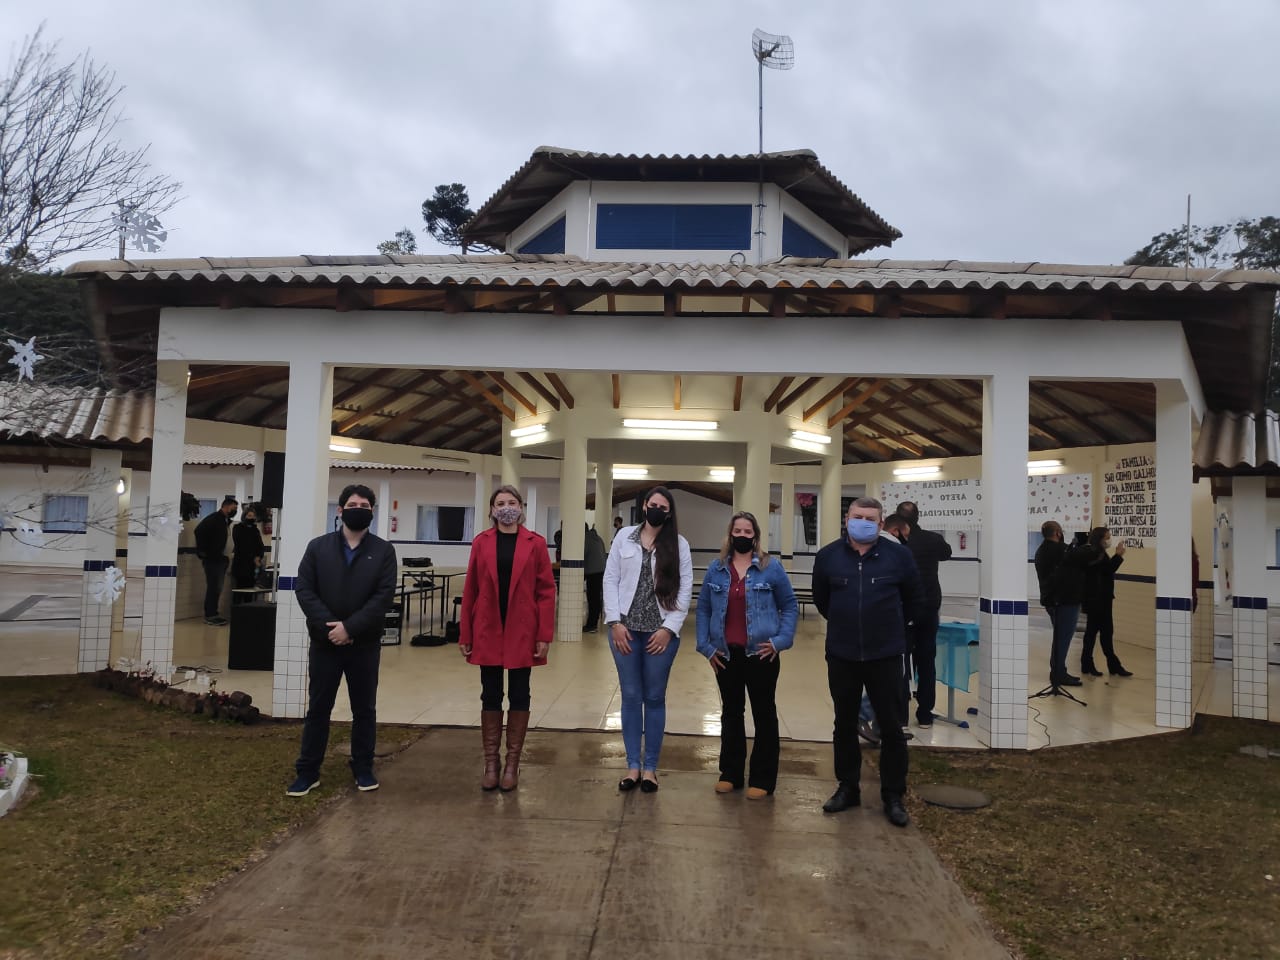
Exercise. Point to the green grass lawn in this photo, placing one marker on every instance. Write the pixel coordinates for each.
(1155, 848)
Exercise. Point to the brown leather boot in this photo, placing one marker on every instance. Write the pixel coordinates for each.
(517, 725)
(491, 733)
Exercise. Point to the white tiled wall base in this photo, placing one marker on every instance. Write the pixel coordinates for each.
(95, 619)
(1249, 658)
(571, 605)
(289, 682)
(1173, 662)
(158, 594)
(1002, 693)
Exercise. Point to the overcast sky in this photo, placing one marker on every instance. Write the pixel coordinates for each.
(1061, 130)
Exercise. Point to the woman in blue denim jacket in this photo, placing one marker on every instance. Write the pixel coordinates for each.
(747, 615)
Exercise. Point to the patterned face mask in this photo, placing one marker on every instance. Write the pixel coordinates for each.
(507, 516)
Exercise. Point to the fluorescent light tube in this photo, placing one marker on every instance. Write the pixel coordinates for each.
(343, 447)
(529, 431)
(809, 437)
(641, 424)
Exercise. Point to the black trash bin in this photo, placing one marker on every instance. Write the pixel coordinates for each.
(252, 643)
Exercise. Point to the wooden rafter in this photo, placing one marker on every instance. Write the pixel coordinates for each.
(426, 403)
(373, 409)
(893, 411)
(675, 399)
(860, 439)
(797, 393)
(617, 391)
(973, 393)
(462, 430)
(1122, 402)
(777, 391)
(830, 395)
(920, 389)
(561, 389)
(236, 376)
(853, 404)
(540, 389)
(1089, 427)
(913, 448)
(520, 398)
(737, 394)
(488, 394)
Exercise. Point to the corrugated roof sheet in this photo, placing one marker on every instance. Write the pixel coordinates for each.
(1238, 442)
(36, 410)
(510, 270)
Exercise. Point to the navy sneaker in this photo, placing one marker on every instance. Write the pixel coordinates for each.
(366, 782)
(303, 785)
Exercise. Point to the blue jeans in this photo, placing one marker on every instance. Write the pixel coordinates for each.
(1064, 618)
(642, 679)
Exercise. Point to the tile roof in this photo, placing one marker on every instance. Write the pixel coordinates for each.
(75, 414)
(1238, 443)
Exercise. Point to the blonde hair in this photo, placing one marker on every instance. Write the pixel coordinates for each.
(726, 548)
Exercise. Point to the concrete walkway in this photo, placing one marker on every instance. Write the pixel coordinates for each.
(566, 867)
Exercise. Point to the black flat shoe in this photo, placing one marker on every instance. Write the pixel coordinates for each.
(648, 786)
(1119, 672)
(627, 783)
(1091, 671)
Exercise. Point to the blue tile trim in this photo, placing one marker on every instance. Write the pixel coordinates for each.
(1173, 603)
(286, 583)
(1139, 578)
(1249, 603)
(1015, 608)
(572, 563)
(162, 572)
(93, 566)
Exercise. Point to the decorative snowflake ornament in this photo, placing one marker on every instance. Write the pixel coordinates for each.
(25, 358)
(141, 230)
(112, 585)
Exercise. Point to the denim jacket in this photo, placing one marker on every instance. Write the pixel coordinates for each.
(772, 610)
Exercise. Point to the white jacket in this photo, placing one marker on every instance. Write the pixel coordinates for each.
(622, 573)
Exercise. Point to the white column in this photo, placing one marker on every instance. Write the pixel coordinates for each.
(1173, 557)
(122, 552)
(99, 559)
(510, 471)
(573, 515)
(383, 511)
(604, 502)
(830, 516)
(1250, 641)
(484, 489)
(306, 481)
(755, 484)
(1003, 610)
(164, 517)
(240, 491)
(788, 510)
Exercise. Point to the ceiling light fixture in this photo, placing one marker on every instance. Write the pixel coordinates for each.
(121, 486)
(810, 437)
(336, 447)
(723, 474)
(1040, 465)
(529, 431)
(916, 473)
(630, 473)
(642, 424)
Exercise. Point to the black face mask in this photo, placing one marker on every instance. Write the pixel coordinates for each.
(357, 518)
(656, 516)
(251, 520)
(743, 544)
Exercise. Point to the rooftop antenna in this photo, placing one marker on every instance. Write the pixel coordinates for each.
(776, 53)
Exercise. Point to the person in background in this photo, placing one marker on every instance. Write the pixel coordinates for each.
(1099, 597)
(345, 586)
(648, 583)
(617, 525)
(928, 549)
(247, 552)
(1060, 571)
(211, 548)
(867, 589)
(593, 560)
(746, 616)
(506, 624)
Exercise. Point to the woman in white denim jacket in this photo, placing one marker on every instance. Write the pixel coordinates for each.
(648, 582)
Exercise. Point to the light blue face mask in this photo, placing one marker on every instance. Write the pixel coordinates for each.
(862, 531)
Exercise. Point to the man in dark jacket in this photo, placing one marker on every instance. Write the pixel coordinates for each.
(211, 548)
(593, 561)
(1061, 570)
(928, 549)
(867, 589)
(345, 586)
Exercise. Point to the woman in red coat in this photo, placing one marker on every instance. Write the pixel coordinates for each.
(507, 623)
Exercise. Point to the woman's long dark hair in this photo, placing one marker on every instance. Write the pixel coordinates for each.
(1097, 535)
(666, 548)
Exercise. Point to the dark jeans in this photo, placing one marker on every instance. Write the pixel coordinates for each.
(358, 662)
(923, 637)
(595, 599)
(517, 688)
(882, 680)
(1100, 626)
(242, 580)
(215, 573)
(744, 677)
(1064, 618)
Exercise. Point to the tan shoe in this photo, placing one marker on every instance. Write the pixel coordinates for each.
(724, 786)
(756, 793)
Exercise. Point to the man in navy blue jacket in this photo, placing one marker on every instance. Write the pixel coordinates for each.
(867, 589)
(346, 584)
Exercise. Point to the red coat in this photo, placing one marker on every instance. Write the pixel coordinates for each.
(531, 602)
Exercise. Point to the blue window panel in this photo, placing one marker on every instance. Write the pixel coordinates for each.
(673, 226)
(550, 240)
(207, 506)
(65, 514)
(799, 242)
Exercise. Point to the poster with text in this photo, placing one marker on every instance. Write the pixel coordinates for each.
(957, 504)
(1129, 500)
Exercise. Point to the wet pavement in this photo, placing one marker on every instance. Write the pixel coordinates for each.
(567, 867)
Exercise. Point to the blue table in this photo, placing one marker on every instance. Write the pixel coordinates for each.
(955, 660)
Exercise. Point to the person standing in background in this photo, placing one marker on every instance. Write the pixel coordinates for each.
(929, 549)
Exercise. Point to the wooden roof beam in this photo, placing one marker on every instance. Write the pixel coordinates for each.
(540, 389)
(1090, 428)
(471, 426)
(519, 397)
(855, 403)
(561, 389)
(488, 394)
(375, 408)
(830, 395)
(737, 394)
(795, 394)
(617, 391)
(870, 443)
(963, 431)
(777, 392)
(451, 413)
(675, 399)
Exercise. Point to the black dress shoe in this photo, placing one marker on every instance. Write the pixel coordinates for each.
(847, 795)
(1067, 680)
(648, 786)
(896, 812)
(627, 783)
(1090, 670)
(1119, 671)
